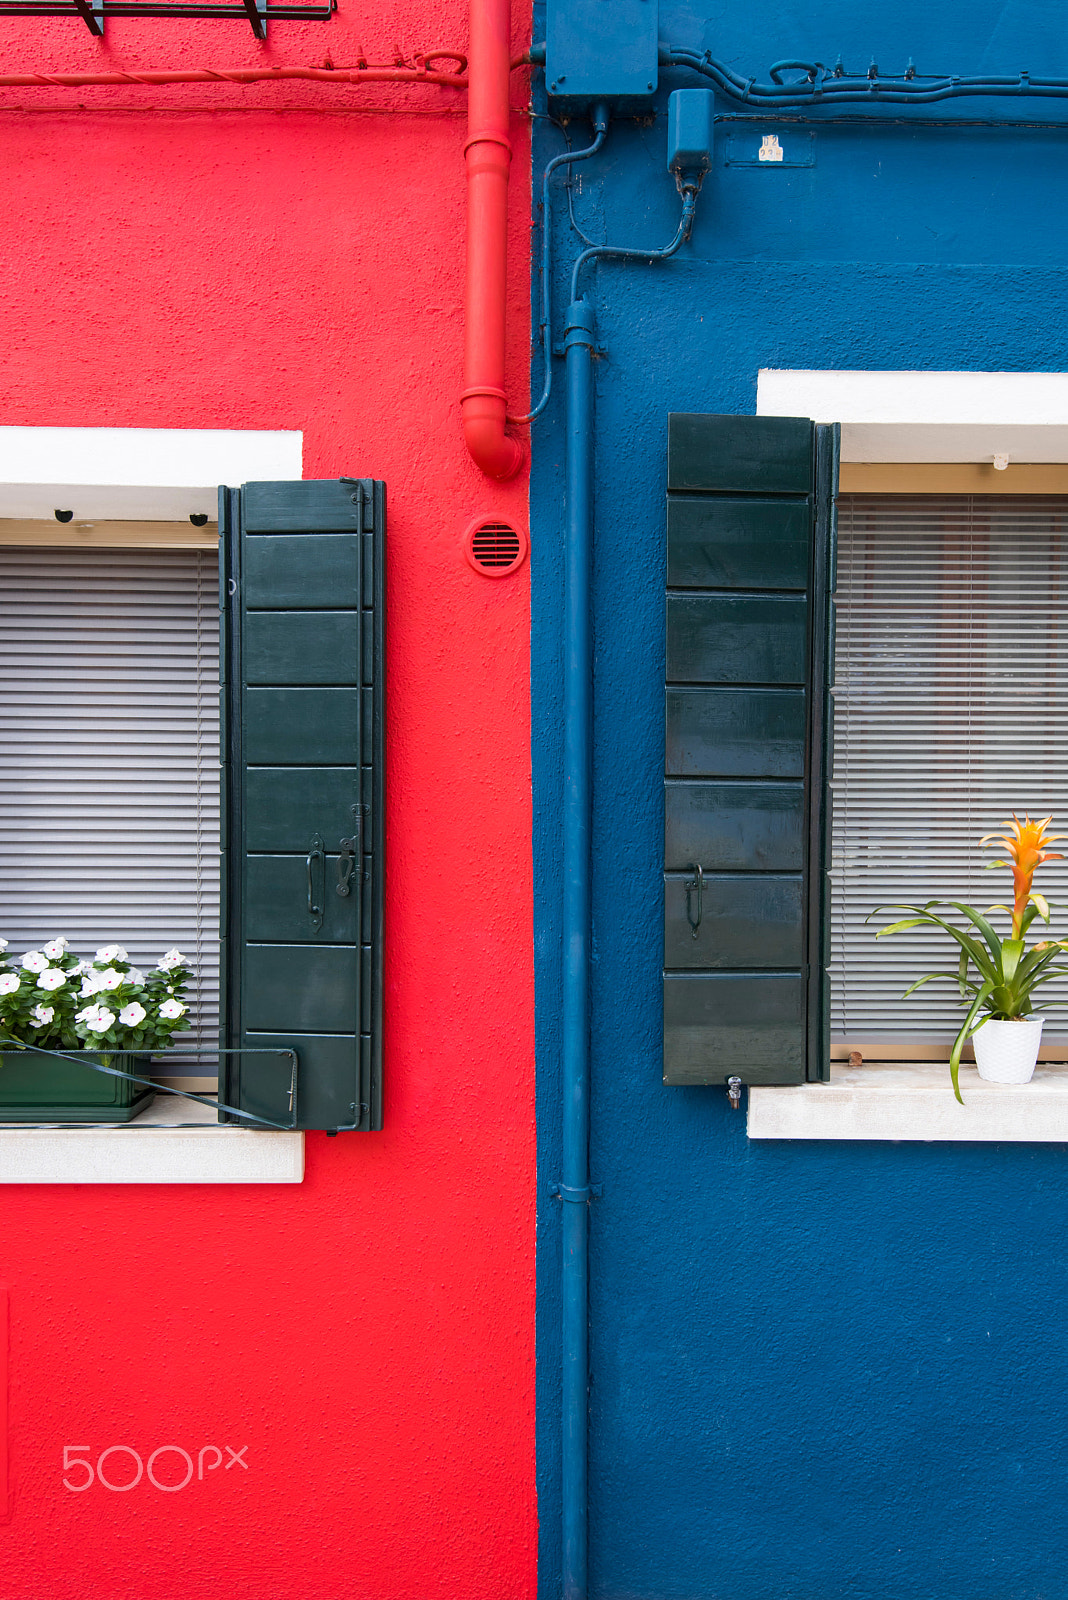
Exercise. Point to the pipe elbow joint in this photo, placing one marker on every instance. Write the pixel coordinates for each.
(494, 452)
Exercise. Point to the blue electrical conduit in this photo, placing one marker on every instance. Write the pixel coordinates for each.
(630, 253)
(822, 85)
(835, 86)
(599, 118)
(575, 1190)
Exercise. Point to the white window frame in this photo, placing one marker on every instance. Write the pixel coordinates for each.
(139, 487)
(945, 429)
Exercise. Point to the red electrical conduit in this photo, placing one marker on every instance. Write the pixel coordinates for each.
(363, 72)
(488, 155)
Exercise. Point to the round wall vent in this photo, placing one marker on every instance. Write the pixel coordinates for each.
(494, 548)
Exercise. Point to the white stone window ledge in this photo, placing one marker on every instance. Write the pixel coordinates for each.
(914, 1100)
(151, 1149)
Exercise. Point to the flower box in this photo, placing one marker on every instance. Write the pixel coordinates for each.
(37, 1087)
(103, 1010)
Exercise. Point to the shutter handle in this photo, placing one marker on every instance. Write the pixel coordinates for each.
(697, 882)
(317, 853)
(345, 863)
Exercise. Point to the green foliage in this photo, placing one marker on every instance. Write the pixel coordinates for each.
(52, 1000)
(995, 978)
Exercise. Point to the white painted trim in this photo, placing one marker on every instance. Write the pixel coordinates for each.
(914, 1101)
(132, 475)
(928, 416)
(150, 474)
(151, 1149)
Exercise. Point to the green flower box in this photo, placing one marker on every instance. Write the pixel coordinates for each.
(37, 1087)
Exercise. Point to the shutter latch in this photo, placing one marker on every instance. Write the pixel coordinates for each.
(697, 882)
(345, 863)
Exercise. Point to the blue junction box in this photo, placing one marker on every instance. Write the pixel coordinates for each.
(601, 50)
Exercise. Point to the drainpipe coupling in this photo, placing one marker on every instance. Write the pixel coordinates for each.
(578, 325)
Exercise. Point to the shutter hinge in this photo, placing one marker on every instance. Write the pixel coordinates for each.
(364, 497)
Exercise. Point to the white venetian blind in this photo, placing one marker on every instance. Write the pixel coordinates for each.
(950, 713)
(109, 758)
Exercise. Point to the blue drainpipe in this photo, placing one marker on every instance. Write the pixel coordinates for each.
(578, 739)
(575, 1190)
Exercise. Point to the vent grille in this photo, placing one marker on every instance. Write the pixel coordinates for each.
(494, 548)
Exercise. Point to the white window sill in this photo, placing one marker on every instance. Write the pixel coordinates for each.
(151, 1149)
(914, 1100)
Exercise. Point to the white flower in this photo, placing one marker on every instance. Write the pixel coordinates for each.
(171, 1010)
(34, 961)
(111, 952)
(52, 978)
(42, 1015)
(9, 982)
(172, 959)
(90, 986)
(133, 1015)
(56, 948)
(135, 978)
(100, 1019)
(109, 978)
(4, 944)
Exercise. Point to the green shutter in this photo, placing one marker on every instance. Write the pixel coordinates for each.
(303, 608)
(750, 528)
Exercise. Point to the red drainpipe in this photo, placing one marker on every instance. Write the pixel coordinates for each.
(488, 153)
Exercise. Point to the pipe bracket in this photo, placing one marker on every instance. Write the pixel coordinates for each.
(577, 1197)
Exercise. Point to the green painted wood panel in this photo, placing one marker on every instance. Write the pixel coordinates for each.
(332, 1070)
(735, 733)
(295, 647)
(717, 1024)
(326, 505)
(276, 897)
(285, 806)
(746, 455)
(714, 638)
(303, 588)
(718, 543)
(750, 920)
(310, 989)
(302, 727)
(734, 827)
(750, 528)
(302, 571)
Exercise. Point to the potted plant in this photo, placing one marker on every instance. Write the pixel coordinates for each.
(59, 1014)
(996, 977)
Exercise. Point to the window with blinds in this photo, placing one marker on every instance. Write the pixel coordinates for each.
(950, 713)
(109, 759)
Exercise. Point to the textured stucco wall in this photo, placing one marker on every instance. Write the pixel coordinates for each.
(818, 1370)
(368, 1335)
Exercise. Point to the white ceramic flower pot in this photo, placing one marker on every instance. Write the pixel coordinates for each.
(1006, 1052)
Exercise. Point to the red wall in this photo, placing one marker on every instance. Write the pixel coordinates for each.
(368, 1334)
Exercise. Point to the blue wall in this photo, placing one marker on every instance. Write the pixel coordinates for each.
(818, 1370)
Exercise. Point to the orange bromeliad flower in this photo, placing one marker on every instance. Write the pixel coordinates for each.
(1025, 845)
